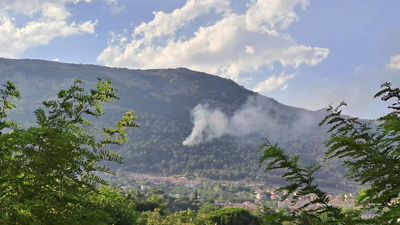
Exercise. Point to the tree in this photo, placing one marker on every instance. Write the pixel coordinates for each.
(185, 217)
(371, 155)
(208, 208)
(49, 172)
(228, 216)
(120, 210)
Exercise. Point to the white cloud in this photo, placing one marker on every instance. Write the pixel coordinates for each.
(284, 87)
(230, 46)
(394, 63)
(115, 7)
(31, 7)
(273, 82)
(167, 24)
(271, 14)
(54, 11)
(48, 20)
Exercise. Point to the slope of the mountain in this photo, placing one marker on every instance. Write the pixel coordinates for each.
(163, 99)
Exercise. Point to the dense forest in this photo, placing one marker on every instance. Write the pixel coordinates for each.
(53, 172)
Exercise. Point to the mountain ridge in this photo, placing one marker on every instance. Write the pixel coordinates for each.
(164, 100)
(7, 60)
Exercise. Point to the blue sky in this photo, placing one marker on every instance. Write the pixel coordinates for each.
(304, 53)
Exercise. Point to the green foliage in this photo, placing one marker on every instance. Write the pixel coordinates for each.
(49, 172)
(208, 208)
(371, 156)
(148, 202)
(271, 217)
(120, 210)
(8, 94)
(300, 183)
(186, 217)
(228, 216)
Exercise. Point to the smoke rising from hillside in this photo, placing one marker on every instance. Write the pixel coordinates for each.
(209, 124)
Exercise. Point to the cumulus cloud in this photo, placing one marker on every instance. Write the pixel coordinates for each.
(48, 20)
(394, 63)
(231, 45)
(273, 82)
(167, 24)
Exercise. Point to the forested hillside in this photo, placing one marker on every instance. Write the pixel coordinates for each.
(164, 100)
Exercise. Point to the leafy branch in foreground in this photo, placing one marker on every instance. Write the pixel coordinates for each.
(8, 95)
(371, 156)
(48, 171)
(301, 184)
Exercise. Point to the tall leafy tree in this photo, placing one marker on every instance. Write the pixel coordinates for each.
(49, 172)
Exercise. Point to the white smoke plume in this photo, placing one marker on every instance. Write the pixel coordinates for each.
(209, 123)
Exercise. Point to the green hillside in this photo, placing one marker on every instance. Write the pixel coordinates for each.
(164, 99)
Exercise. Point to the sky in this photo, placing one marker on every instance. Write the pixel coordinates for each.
(303, 53)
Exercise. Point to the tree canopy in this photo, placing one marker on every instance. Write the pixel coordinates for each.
(49, 173)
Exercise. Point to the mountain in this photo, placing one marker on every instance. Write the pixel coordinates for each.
(174, 104)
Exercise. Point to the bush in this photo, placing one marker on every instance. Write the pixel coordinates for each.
(228, 216)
